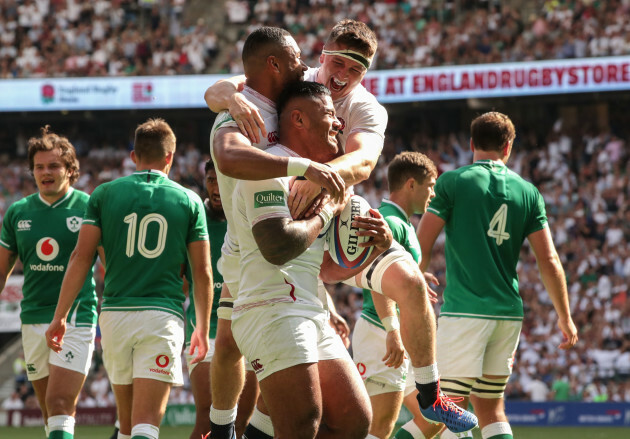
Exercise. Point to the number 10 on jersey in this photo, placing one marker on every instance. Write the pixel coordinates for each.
(162, 228)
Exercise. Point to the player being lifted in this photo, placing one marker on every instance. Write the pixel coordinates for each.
(42, 230)
(487, 211)
(348, 54)
(161, 224)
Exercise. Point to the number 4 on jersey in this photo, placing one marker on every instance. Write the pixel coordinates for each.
(498, 225)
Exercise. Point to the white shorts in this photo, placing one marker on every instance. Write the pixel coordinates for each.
(470, 348)
(189, 357)
(272, 339)
(229, 266)
(372, 276)
(142, 344)
(76, 351)
(368, 347)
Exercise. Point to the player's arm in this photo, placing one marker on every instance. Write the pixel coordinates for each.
(338, 323)
(374, 227)
(362, 152)
(554, 279)
(223, 95)
(394, 349)
(7, 263)
(101, 255)
(79, 265)
(237, 158)
(200, 264)
(428, 230)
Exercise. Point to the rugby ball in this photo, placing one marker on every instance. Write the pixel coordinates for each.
(343, 242)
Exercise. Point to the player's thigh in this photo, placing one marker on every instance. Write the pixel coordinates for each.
(461, 345)
(293, 399)
(124, 402)
(499, 358)
(64, 386)
(368, 350)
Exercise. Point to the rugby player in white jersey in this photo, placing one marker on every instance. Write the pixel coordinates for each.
(271, 59)
(280, 321)
(347, 55)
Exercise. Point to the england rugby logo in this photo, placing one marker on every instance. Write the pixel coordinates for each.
(47, 249)
(48, 93)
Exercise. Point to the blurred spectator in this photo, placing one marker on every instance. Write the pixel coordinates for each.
(13, 402)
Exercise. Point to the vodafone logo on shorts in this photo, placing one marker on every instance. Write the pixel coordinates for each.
(162, 360)
(47, 249)
(361, 368)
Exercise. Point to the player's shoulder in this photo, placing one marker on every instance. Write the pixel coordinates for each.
(224, 120)
(361, 97)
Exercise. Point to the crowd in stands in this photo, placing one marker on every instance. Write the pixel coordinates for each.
(584, 176)
(52, 38)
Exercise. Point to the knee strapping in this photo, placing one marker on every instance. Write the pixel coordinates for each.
(457, 386)
(489, 388)
(224, 311)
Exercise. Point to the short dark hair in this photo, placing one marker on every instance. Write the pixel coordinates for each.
(263, 42)
(408, 165)
(492, 131)
(153, 140)
(300, 89)
(209, 165)
(355, 35)
(49, 141)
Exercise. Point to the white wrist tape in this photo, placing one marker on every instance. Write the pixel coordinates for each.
(297, 166)
(391, 323)
(326, 214)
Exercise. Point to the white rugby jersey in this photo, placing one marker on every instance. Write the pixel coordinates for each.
(263, 283)
(267, 109)
(358, 112)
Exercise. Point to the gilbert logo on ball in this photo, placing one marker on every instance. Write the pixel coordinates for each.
(343, 241)
(47, 249)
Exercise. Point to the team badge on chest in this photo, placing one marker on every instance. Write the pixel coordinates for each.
(74, 223)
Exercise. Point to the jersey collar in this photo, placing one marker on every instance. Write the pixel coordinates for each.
(489, 162)
(260, 100)
(386, 201)
(150, 171)
(59, 201)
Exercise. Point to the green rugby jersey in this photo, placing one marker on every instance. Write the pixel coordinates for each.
(489, 210)
(44, 235)
(146, 221)
(216, 231)
(403, 233)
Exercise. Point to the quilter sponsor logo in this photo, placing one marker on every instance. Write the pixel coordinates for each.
(142, 92)
(268, 198)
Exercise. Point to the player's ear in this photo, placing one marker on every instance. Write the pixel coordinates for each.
(297, 118)
(169, 157)
(321, 58)
(133, 156)
(273, 63)
(472, 146)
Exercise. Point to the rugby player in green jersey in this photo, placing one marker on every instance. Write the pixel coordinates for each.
(42, 230)
(148, 226)
(487, 211)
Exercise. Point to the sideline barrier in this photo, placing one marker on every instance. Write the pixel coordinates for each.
(576, 414)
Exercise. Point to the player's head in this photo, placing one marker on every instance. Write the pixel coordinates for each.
(154, 143)
(53, 162)
(212, 187)
(272, 53)
(493, 132)
(346, 57)
(307, 122)
(414, 175)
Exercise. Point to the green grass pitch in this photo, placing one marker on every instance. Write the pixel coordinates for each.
(104, 432)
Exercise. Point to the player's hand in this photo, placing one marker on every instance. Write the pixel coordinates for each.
(395, 351)
(375, 227)
(327, 178)
(247, 117)
(431, 280)
(54, 334)
(341, 327)
(199, 342)
(303, 194)
(569, 331)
